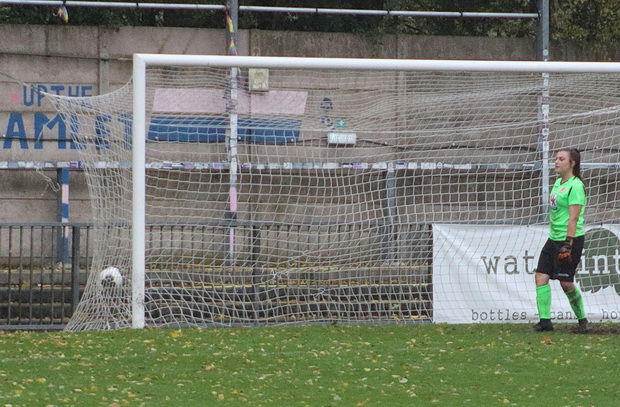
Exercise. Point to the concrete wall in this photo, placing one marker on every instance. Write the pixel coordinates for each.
(84, 61)
(72, 61)
(338, 45)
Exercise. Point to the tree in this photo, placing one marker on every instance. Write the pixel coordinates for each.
(587, 21)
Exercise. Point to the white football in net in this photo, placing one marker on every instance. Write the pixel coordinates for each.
(111, 277)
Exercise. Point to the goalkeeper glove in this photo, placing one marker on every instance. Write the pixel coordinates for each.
(564, 256)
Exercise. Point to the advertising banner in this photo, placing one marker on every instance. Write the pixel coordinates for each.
(485, 274)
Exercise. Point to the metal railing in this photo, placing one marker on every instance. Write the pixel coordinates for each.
(42, 271)
(44, 266)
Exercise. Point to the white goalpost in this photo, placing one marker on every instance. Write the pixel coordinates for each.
(241, 191)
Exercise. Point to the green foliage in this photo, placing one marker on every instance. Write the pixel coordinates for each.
(312, 22)
(467, 26)
(113, 17)
(16, 14)
(382, 365)
(371, 25)
(375, 25)
(594, 22)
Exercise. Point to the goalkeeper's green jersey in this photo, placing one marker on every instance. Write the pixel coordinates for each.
(571, 192)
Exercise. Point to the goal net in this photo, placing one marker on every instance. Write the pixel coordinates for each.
(258, 190)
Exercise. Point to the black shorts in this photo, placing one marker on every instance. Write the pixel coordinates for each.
(548, 262)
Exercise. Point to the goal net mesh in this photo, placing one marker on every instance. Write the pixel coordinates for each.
(280, 196)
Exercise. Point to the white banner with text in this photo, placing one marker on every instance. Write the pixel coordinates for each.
(485, 274)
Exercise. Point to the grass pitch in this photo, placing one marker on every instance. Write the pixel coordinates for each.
(370, 365)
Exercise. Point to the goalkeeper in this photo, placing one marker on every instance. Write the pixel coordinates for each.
(562, 251)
